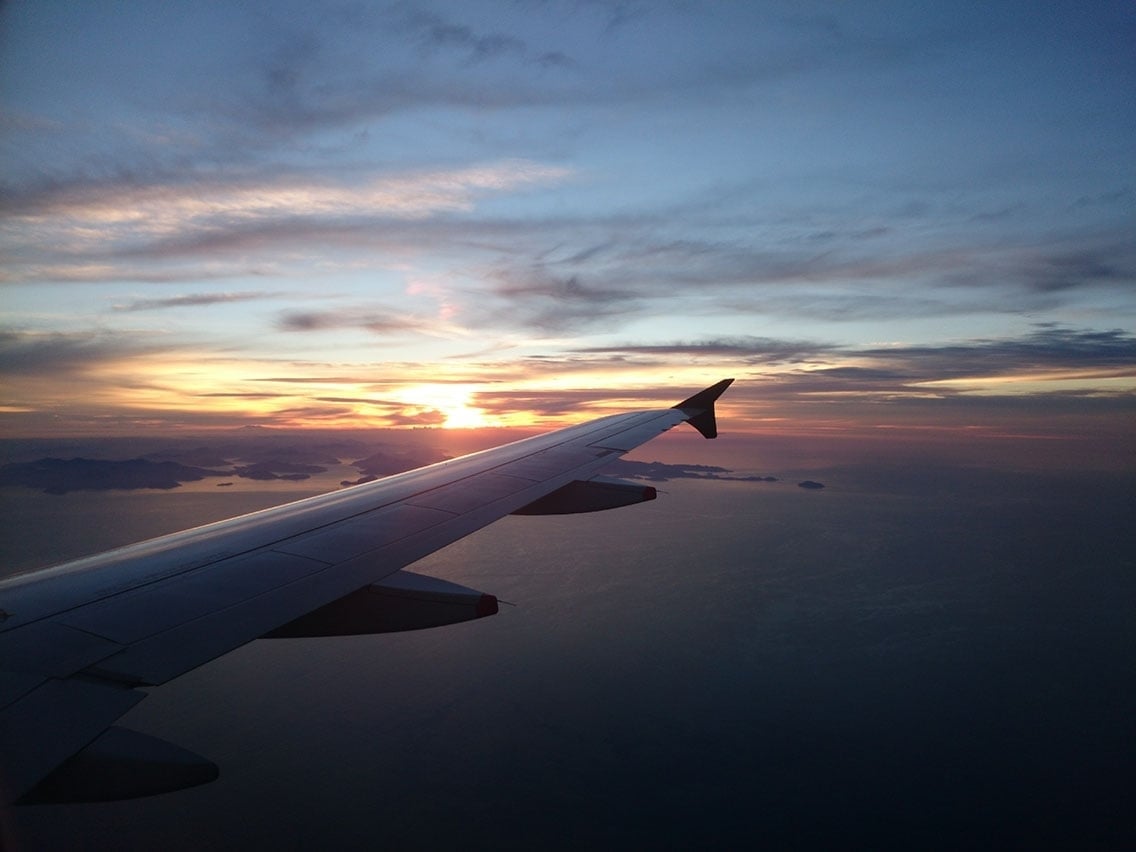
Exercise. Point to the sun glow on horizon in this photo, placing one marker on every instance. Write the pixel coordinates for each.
(453, 402)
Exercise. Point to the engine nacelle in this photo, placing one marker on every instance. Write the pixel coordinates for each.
(122, 764)
(590, 495)
(402, 601)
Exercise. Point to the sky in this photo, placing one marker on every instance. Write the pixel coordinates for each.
(881, 218)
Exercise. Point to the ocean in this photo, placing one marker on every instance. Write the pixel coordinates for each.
(940, 660)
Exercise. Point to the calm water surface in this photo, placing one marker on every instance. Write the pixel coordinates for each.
(860, 667)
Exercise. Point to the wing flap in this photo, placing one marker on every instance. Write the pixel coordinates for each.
(53, 649)
(358, 536)
(15, 685)
(403, 601)
(472, 493)
(642, 429)
(179, 649)
(55, 720)
(134, 616)
(123, 764)
(548, 463)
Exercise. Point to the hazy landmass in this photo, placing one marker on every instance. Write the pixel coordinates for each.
(386, 462)
(196, 456)
(272, 456)
(261, 455)
(660, 472)
(58, 476)
(278, 470)
(276, 450)
(810, 484)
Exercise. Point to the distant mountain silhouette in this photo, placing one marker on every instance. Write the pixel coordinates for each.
(385, 463)
(292, 471)
(58, 476)
(661, 471)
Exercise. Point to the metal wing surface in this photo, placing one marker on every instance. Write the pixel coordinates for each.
(77, 640)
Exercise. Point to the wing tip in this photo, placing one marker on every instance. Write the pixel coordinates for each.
(700, 408)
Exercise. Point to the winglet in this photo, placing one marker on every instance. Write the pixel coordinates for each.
(700, 408)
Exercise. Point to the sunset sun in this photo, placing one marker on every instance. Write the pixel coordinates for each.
(454, 402)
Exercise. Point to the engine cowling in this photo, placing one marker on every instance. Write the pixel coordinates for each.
(122, 764)
(402, 601)
(590, 495)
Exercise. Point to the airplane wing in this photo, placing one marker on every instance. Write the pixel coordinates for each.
(79, 639)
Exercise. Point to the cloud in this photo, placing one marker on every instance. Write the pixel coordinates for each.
(549, 176)
(313, 79)
(748, 350)
(561, 275)
(553, 274)
(394, 412)
(1040, 382)
(194, 300)
(1042, 408)
(349, 67)
(411, 417)
(119, 271)
(238, 395)
(782, 370)
(50, 354)
(551, 303)
(433, 32)
(1065, 270)
(383, 321)
(314, 378)
(90, 225)
(555, 59)
(501, 403)
(159, 207)
(1048, 348)
(567, 401)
